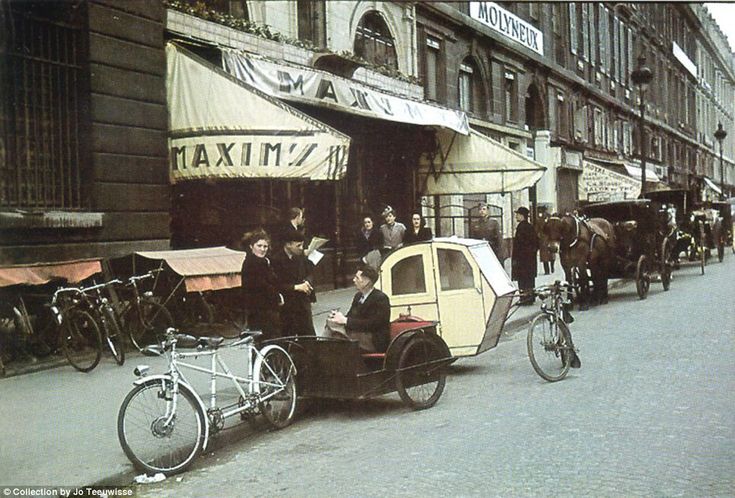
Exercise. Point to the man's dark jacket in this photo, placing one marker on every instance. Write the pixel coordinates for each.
(372, 242)
(296, 316)
(372, 316)
(525, 245)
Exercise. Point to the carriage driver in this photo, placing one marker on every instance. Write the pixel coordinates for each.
(368, 320)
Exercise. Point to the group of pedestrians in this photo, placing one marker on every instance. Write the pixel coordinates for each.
(375, 243)
(278, 287)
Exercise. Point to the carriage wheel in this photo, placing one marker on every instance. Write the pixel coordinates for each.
(419, 382)
(642, 278)
(702, 246)
(666, 264)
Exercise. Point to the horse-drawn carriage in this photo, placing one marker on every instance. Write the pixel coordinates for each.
(641, 247)
(696, 227)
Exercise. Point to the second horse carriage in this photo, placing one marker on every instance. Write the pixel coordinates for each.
(642, 246)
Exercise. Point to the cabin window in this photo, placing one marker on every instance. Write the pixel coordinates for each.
(454, 270)
(407, 276)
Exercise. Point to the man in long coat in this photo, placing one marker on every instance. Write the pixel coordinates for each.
(523, 267)
(293, 272)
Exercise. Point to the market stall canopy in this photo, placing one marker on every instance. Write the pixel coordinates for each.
(312, 86)
(72, 271)
(475, 164)
(219, 127)
(209, 268)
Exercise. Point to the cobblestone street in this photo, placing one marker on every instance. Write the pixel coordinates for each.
(649, 413)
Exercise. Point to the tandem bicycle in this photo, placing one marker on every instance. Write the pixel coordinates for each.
(164, 424)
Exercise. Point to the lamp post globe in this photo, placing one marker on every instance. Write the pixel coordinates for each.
(720, 135)
(641, 77)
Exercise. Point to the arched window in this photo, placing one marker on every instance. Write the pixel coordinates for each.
(471, 91)
(373, 41)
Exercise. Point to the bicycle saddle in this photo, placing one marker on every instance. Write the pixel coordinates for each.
(210, 342)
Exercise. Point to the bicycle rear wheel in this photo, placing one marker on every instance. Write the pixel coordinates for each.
(152, 440)
(148, 324)
(548, 348)
(113, 335)
(277, 385)
(81, 340)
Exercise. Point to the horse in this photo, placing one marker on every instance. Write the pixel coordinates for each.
(582, 245)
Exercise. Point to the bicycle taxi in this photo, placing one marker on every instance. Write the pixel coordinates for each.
(200, 287)
(26, 321)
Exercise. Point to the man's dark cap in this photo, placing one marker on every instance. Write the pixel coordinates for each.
(293, 236)
(523, 211)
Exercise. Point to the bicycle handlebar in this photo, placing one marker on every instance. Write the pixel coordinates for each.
(556, 286)
(137, 278)
(81, 290)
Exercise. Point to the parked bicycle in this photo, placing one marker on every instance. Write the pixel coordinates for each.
(144, 318)
(163, 423)
(549, 341)
(80, 337)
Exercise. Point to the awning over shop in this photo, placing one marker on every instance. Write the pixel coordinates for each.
(222, 128)
(712, 185)
(636, 172)
(72, 271)
(475, 164)
(312, 86)
(210, 268)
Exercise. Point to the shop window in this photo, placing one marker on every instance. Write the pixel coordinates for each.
(373, 41)
(432, 63)
(42, 103)
(311, 21)
(407, 276)
(511, 97)
(454, 270)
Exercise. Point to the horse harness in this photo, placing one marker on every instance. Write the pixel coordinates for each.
(581, 221)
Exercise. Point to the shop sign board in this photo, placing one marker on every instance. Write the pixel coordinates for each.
(508, 24)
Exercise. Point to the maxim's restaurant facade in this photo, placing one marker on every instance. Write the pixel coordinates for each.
(250, 137)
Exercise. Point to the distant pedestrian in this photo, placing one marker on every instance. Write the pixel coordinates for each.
(295, 223)
(523, 267)
(293, 272)
(546, 255)
(418, 232)
(260, 286)
(487, 228)
(368, 238)
(392, 231)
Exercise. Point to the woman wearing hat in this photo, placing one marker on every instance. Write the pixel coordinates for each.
(523, 262)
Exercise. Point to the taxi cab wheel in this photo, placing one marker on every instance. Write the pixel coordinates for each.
(419, 384)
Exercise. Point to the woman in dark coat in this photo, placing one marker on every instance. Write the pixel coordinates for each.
(417, 232)
(260, 287)
(368, 238)
(525, 245)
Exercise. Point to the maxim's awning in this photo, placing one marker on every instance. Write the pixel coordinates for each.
(475, 164)
(222, 128)
(316, 87)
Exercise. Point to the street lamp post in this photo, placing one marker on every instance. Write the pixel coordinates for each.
(641, 77)
(720, 135)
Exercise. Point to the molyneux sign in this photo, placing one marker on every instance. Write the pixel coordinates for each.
(508, 24)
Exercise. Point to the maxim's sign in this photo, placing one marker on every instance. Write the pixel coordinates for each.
(508, 24)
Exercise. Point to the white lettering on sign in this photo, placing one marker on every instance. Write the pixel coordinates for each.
(508, 24)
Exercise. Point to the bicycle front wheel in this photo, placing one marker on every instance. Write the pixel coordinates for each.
(155, 436)
(147, 323)
(277, 385)
(548, 348)
(81, 340)
(113, 335)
